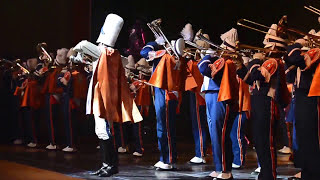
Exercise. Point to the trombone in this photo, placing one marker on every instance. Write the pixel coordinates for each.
(156, 29)
(244, 48)
(313, 39)
(313, 9)
(199, 36)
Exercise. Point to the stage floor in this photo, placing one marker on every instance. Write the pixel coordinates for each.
(81, 163)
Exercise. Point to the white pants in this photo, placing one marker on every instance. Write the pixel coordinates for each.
(102, 128)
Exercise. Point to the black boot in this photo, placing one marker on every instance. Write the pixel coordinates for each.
(113, 163)
(104, 156)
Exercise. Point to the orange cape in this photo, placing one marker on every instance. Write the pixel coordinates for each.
(315, 85)
(229, 87)
(143, 96)
(50, 84)
(168, 78)
(195, 76)
(32, 96)
(80, 85)
(110, 88)
(244, 96)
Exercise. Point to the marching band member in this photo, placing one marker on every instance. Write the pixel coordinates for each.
(197, 102)
(306, 107)
(31, 102)
(109, 98)
(239, 143)
(270, 92)
(165, 102)
(221, 94)
(64, 82)
(143, 101)
(120, 129)
(53, 94)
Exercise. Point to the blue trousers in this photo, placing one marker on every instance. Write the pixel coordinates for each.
(120, 135)
(30, 131)
(291, 118)
(69, 120)
(166, 132)
(239, 142)
(137, 133)
(198, 119)
(51, 118)
(220, 121)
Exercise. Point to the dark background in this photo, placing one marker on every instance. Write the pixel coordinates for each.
(63, 23)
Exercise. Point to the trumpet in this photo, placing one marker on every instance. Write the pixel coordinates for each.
(313, 9)
(282, 29)
(156, 29)
(42, 51)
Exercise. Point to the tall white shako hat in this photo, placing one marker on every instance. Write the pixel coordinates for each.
(110, 30)
(272, 40)
(229, 39)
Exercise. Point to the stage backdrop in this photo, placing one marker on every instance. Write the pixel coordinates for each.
(24, 23)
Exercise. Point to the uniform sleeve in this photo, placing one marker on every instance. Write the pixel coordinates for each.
(242, 72)
(255, 73)
(203, 65)
(294, 56)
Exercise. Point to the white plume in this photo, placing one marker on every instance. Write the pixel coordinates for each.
(230, 36)
(187, 32)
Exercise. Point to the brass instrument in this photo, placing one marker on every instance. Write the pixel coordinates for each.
(281, 30)
(23, 68)
(16, 63)
(41, 48)
(249, 49)
(156, 29)
(313, 9)
(199, 36)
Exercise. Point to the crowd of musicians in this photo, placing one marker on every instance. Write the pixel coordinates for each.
(227, 85)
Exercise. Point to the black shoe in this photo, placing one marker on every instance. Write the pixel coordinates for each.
(109, 171)
(96, 173)
(231, 178)
(293, 178)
